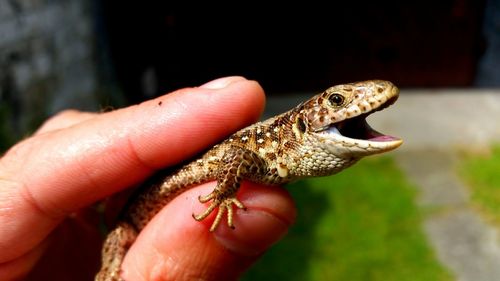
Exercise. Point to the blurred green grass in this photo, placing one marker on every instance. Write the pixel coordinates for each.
(361, 224)
(481, 171)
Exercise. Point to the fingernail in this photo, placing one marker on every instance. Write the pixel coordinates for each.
(221, 83)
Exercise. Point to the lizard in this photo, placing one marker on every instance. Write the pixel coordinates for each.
(318, 137)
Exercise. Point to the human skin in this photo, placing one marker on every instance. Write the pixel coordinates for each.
(50, 181)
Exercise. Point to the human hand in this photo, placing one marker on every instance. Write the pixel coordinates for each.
(49, 181)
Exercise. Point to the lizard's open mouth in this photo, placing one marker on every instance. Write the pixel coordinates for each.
(354, 134)
(358, 128)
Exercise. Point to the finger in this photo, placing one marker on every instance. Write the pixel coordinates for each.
(64, 119)
(50, 175)
(18, 268)
(174, 246)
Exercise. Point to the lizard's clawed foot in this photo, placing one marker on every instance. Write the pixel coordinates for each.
(224, 204)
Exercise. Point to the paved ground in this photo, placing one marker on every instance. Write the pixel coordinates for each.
(434, 125)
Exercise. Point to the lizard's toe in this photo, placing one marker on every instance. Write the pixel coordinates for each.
(224, 206)
(206, 198)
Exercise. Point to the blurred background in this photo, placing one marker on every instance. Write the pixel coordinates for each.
(444, 55)
(93, 54)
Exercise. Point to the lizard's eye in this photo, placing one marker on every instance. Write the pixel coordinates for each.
(336, 99)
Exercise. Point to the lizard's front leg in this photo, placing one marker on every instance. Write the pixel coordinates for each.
(236, 164)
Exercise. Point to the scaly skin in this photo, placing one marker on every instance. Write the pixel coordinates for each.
(319, 137)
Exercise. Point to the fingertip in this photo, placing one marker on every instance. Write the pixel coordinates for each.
(193, 119)
(222, 82)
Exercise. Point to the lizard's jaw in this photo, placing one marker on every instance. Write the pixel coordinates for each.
(356, 135)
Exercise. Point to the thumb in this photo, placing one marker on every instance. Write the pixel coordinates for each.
(173, 246)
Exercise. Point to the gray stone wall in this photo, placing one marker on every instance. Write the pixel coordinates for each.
(46, 60)
(488, 72)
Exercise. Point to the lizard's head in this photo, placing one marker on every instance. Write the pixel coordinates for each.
(337, 118)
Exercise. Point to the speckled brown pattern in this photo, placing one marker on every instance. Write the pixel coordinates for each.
(319, 137)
